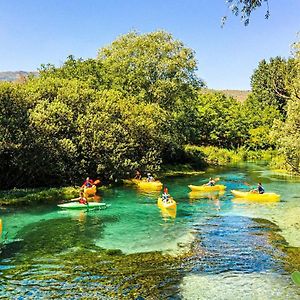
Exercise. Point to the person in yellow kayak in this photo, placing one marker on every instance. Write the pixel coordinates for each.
(260, 189)
(150, 178)
(165, 196)
(211, 182)
(88, 183)
(138, 175)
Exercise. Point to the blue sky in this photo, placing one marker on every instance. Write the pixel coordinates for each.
(33, 32)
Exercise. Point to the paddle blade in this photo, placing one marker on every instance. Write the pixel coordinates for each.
(296, 277)
(96, 182)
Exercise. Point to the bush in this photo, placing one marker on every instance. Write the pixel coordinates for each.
(210, 155)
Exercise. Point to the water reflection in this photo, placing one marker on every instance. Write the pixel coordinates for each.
(77, 215)
(212, 196)
(255, 201)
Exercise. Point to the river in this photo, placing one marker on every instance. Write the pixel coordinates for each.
(214, 247)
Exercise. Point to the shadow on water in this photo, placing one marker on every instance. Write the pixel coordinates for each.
(55, 235)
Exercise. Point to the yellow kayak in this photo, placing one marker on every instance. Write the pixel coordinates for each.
(171, 204)
(91, 191)
(152, 185)
(168, 213)
(256, 196)
(207, 188)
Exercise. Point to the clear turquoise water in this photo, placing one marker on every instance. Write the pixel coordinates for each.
(222, 246)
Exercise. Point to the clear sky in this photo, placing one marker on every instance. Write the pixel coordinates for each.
(33, 32)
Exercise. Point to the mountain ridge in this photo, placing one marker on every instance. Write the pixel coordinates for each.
(15, 75)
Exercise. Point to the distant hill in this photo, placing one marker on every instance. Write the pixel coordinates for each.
(13, 76)
(240, 95)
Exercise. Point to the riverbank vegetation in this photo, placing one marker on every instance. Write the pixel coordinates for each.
(18, 197)
(138, 104)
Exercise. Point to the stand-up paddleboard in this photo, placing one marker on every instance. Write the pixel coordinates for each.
(77, 205)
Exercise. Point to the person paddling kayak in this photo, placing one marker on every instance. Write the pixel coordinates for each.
(165, 196)
(81, 199)
(259, 190)
(211, 182)
(138, 175)
(150, 178)
(88, 183)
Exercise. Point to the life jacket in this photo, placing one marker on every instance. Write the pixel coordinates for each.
(261, 190)
(82, 201)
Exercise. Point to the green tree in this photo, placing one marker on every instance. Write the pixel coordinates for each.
(154, 67)
(271, 82)
(287, 134)
(260, 119)
(90, 71)
(57, 105)
(13, 133)
(220, 121)
(119, 134)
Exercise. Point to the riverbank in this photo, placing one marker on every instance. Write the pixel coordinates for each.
(19, 197)
(199, 158)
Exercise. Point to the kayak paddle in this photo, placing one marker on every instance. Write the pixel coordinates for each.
(296, 277)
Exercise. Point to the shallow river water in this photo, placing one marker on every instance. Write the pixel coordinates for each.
(213, 247)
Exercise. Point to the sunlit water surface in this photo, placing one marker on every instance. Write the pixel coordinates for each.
(213, 247)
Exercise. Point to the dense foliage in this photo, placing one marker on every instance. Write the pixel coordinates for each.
(130, 108)
(220, 121)
(287, 134)
(271, 82)
(135, 106)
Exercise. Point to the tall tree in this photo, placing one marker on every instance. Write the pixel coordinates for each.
(287, 134)
(154, 67)
(13, 133)
(271, 82)
(88, 70)
(220, 121)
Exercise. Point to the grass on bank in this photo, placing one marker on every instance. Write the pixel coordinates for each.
(179, 170)
(18, 197)
(210, 155)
